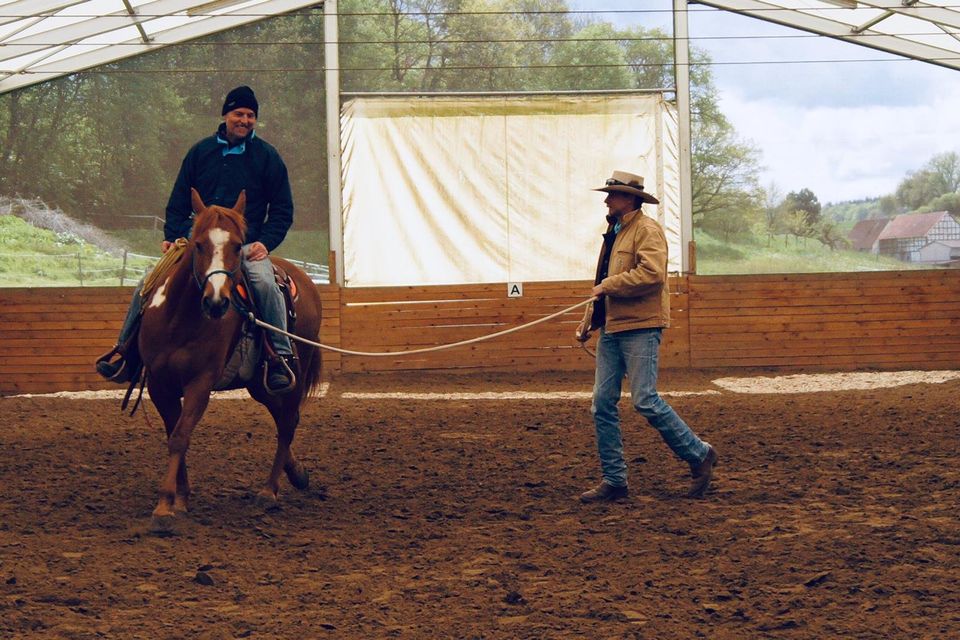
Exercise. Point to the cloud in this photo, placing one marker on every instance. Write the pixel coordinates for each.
(844, 152)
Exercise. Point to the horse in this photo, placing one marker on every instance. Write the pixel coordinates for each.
(190, 327)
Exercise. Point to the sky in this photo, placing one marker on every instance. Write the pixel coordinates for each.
(845, 130)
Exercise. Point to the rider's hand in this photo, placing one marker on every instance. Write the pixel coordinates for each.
(165, 246)
(257, 251)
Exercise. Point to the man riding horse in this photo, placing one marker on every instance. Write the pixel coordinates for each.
(219, 167)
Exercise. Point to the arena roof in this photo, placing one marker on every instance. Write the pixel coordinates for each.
(918, 30)
(44, 39)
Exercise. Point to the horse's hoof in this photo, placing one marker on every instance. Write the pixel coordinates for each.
(266, 501)
(298, 477)
(162, 525)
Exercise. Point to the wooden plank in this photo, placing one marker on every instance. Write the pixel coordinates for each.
(706, 323)
(949, 308)
(824, 280)
(767, 325)
(787, 299)
(877, 361)
(830, 350)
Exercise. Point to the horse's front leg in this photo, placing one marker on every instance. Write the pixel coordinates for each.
(168, 406)
(175, 488)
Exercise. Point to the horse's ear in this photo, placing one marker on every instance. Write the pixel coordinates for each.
(241, 202)
(196, 201)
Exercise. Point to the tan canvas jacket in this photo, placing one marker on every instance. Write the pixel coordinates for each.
(635, 289)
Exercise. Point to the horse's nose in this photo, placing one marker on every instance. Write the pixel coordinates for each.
(215, 308)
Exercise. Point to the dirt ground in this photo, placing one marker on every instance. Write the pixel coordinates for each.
(834, 515)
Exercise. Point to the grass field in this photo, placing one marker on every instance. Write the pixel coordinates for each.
(783, 254)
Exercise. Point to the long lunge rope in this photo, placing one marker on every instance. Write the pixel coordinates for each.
(270, 327)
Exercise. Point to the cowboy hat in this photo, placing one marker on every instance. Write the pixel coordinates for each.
(627, 183)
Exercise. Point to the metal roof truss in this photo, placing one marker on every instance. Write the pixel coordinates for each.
(908, 28)
(45, 39)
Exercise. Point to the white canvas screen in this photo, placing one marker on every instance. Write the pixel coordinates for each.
(446, 190)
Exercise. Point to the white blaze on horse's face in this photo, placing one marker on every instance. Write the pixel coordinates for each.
(219, 238)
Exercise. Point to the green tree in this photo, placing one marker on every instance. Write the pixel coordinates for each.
(726, 191)
(941, 175)
(805, 202)
(949, 202)
(829, 233)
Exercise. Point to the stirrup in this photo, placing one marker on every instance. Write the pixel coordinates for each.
(285, 361)
(116, 371)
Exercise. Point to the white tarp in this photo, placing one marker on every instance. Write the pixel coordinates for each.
(446, 190)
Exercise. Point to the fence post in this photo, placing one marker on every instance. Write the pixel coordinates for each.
(123, 269)
(80, 268)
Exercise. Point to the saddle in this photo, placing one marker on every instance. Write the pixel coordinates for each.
(253, 349)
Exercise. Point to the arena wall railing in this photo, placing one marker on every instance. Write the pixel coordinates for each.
(49, 337)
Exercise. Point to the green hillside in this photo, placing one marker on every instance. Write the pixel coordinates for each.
(785, 254)
(34, 257)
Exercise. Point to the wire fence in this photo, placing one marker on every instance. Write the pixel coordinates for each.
(98, 269)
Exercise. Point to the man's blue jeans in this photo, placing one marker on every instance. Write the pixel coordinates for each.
(635, 353)
(265, 291)
(269, 299)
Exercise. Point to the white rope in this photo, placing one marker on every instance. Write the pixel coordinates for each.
(261, 323)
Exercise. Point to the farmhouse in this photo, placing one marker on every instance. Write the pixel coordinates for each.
(907, 235)
(865, 235)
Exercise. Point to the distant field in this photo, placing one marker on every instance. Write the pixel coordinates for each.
(785, 254)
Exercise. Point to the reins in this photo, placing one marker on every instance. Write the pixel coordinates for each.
(270, 327)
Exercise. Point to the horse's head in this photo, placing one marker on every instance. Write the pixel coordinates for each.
(217, 236)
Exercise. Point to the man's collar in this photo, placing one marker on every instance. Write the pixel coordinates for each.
(624, 219)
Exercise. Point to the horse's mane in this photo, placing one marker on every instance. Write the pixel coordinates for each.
(210, 217)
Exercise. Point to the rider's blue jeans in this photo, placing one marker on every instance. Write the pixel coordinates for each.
(269, 299)
(265, 291)
(634, 353)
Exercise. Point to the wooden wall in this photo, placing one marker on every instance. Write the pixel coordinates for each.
(398, 318)
(49, 338)
(878, 320)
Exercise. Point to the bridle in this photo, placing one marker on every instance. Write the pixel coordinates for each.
(203, 283)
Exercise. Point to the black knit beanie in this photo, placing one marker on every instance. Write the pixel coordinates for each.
(240, 98)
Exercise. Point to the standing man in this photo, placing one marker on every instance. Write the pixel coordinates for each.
(219, 167)
(631, 311)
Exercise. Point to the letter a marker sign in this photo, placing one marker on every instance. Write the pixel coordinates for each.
(514, 289)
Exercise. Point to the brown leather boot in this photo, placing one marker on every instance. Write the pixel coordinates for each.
(702, 472)
(604, 493)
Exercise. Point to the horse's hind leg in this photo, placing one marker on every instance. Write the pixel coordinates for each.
(287, 416)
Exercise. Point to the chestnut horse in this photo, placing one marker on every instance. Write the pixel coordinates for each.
(189, 329)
